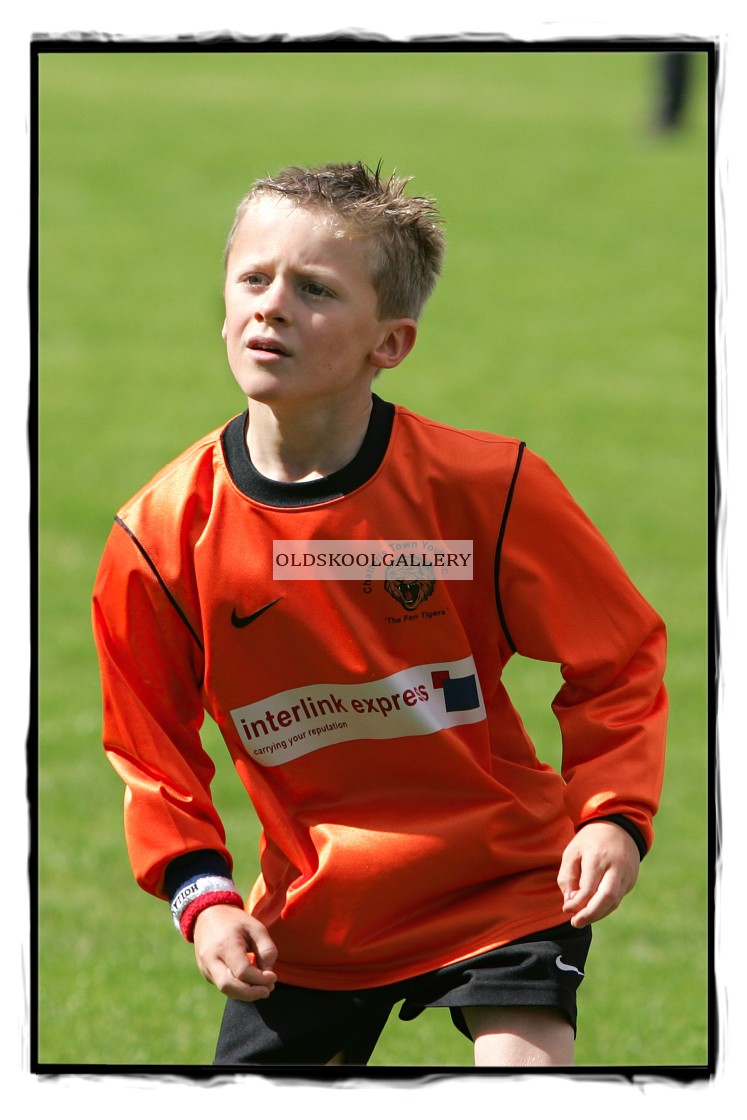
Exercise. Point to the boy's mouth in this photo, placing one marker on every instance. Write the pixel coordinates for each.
(267, 345)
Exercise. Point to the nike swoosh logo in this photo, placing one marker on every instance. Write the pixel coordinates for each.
(567, 967)
(240, 621)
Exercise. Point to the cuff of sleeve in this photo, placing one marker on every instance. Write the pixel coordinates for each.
(193, 865)
(624, 823)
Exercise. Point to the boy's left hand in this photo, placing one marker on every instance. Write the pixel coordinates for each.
(599, 867)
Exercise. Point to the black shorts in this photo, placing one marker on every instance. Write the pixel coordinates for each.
(306, 1026)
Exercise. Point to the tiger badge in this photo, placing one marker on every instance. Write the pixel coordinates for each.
(410, 592)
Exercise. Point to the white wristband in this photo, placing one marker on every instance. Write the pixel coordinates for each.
(194, 888)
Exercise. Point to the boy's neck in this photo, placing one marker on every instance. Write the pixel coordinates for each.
(305, 443)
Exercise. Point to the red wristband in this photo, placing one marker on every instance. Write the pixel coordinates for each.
(212, 898)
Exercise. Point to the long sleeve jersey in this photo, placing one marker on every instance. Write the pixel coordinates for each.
(407, 821)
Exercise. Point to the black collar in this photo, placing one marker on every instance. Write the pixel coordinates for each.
(289, 494)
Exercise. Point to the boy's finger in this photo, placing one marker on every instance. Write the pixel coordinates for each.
(602, 902)
(244, 967)
(585, 889)
(572, 902)
(235, 987)
(568, 877)
(265, 950)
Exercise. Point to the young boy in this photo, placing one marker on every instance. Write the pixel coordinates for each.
(414, 848)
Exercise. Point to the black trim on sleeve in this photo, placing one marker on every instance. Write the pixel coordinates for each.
(157, 574)
(499, 547)
(186, 867)
(627, 825)
(291, 495)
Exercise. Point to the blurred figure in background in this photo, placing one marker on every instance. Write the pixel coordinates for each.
(673, 82)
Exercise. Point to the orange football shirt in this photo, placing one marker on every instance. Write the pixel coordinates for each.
(407, 821)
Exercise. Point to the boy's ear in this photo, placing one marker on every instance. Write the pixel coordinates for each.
(396, 344)
(224, 331)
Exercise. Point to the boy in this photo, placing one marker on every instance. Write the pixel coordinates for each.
(413, 847)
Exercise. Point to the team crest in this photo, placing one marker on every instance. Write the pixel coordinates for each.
(410, 592)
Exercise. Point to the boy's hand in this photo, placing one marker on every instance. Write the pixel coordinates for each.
(235, 953)
(599, 867)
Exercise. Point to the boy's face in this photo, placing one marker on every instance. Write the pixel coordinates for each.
(301, 312)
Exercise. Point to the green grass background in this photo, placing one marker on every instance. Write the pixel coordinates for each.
(572, 313)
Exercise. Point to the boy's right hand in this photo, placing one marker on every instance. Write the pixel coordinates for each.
(235, 953)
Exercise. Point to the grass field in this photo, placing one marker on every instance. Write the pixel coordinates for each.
(572, 313)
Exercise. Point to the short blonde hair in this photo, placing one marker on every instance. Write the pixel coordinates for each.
(406, 232)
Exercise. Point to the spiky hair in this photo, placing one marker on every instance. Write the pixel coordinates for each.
(405, 232)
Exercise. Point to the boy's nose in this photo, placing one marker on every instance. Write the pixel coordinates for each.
(273, 305)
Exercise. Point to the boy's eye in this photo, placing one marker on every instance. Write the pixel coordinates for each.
(316, 290)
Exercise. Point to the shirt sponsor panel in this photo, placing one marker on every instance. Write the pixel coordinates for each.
(419, 700)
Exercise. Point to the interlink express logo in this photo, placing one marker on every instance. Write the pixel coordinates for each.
(416, 701)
